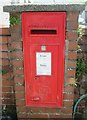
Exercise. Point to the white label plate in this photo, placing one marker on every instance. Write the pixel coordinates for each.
(43, 63)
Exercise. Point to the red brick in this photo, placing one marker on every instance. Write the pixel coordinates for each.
(1, 52)
(8, 95)
(6, 76)
(17, 54)
(15, 33)
(17, 45)
(17, 63)
(67, 111)
(16, 37)
(69, 89)
(71, 73)
(19, 79)
(8, 82)
(68, 96)
(6, 68)
(3, 39)
(21, 116)
(6, 89)
(80, 55)
(72, 16)
(83, 47)
(0, 77)
(4, 31)
(0, 94)
(3, 47)
(4, 62)
(20, 95)
(18, 71)
(15, 29)
(19, 88)
(0, 91)
(10, 56)
(9, 40)
(72, 55)
(1, 62)
(71, 35)
(73, 45)
(55, 116)
(68, 103)
(21, 109)
(52, 110)
(71, 64)
(38, 116)
(62, 117)
(0, 101)
(0, 39)
(70, 81)
(20, 102)
(67, 117)
(0, 84)
(36, 110)
(72, 25)
(8, 101)
(4, 55)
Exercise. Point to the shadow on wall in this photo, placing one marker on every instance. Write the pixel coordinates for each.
(9, 113)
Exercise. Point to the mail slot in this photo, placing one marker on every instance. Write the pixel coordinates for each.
(43, 45)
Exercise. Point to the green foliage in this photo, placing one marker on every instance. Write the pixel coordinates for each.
(79, 30)
(3, 72)
(14, 20)
(81, 68)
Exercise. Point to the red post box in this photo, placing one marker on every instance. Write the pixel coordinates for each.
(43, 44)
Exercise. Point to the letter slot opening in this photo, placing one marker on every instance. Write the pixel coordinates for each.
(40, 31)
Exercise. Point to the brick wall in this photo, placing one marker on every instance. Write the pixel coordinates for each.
(82, 42)
(82, 55)
(16, 60)
(7, 96)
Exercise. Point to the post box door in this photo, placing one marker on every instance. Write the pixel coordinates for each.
(43, 87)
(43, 43)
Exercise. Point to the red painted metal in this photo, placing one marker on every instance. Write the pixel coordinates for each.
(43, 44)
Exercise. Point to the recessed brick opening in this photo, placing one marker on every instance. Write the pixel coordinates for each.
(13, 80)
(70, 64)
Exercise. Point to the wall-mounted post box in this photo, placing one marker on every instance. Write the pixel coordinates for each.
(43, 44)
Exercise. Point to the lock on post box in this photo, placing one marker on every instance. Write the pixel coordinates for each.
(43, 43)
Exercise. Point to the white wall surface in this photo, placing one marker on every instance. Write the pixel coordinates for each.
(4, 17)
